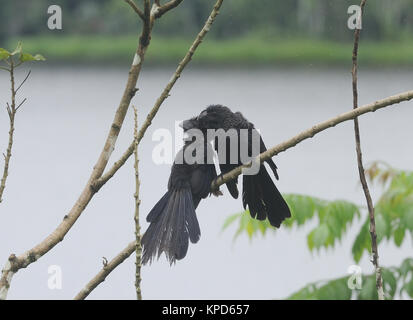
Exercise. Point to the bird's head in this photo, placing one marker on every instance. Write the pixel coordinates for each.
(213, 117)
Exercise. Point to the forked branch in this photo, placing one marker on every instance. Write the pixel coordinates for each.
(136, 9)
(165, 94)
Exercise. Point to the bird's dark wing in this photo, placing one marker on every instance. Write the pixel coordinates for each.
(227, 167)
(263, 198)
(271, 163)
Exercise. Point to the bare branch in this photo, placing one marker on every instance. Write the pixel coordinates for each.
(25, 79)
(21, 103)
(106, 270)
(363, 180)
(136, 9)
(311, 132)
(8, 109)
(11, 110)
(165, 94)
(166, 7)
(138, 245)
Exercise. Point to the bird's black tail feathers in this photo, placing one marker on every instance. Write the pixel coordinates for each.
(173, 223)
(263, 198)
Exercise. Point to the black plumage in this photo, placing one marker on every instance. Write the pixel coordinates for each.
(173, 221)
(259, 191)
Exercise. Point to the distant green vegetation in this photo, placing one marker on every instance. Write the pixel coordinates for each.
(239, 51)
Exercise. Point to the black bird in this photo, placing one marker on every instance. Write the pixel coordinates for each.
(173, 220)
(259, 192)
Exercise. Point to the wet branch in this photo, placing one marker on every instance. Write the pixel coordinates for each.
(138, 246)
(11, 111)
(363, 180)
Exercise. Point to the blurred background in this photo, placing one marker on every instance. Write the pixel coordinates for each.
(267, 31)
(284, 64)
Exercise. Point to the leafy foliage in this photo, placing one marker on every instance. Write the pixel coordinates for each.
(394, 219)
(338, 289)
(393, 211)
(334, 218)
(22, 56)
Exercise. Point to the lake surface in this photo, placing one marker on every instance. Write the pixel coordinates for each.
(59, 134)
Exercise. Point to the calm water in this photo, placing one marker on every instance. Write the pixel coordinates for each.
(60, 132)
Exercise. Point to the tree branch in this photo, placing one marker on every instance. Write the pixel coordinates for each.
(136, 9)
(165, 94)
(25, 79)
(363, 180)
(11, 110)
(15, 263)
(107, 268)
(138, 245)
(309, 133)
(166, 7)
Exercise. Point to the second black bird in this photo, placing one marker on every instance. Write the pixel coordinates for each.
(259, 191)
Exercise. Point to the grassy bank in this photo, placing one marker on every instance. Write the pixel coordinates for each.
(250, 51)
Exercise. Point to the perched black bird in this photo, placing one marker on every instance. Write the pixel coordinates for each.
(259, 192)
(173, 220)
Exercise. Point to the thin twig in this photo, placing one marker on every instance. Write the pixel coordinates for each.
(165, 94)
(138, 250)
(309, 133)
(107, 268)
(136, 9)
(25, 79)
(363, 180)
(11, 110)
(21, 103)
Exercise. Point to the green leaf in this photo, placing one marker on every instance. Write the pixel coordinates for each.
(362, 242)
(408, 218)
(382, 228)
(4, 54)
(368, 291)
(399, 234)
(18, 49)
(28, 57)
(389, 283)
(318, 237)
(406, 267)
(230, 220)
(336, 289)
